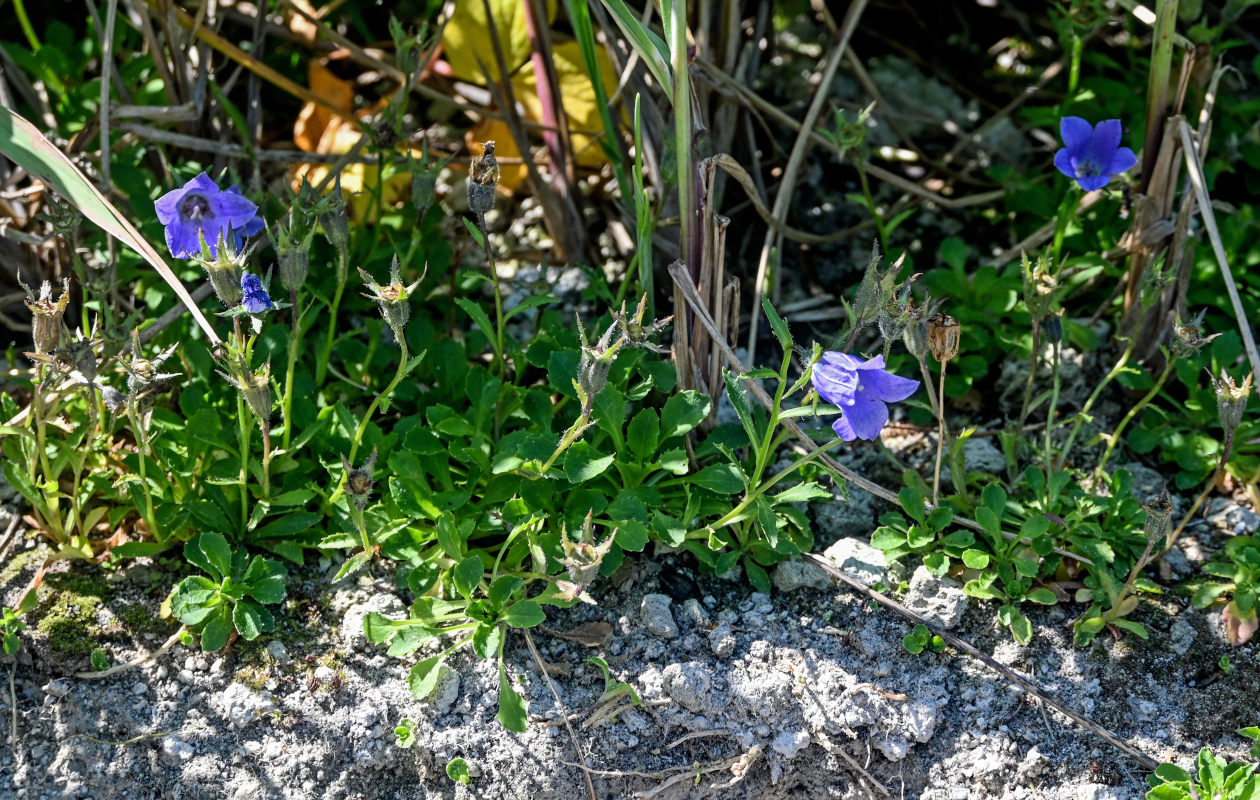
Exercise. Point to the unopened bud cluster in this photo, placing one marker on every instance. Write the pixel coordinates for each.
(582, 559)
(597, 359)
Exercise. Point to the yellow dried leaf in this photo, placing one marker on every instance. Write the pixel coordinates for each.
(467, 37)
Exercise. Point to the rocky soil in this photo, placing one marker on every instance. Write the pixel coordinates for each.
(808, 693)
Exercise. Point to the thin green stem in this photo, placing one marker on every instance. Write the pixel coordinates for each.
(295, 340)
(321, 366)
(1054, 404)
(242, 416)
(773, 480)
(1083, 414)
(1032, 374)
(880, 228)
(265, 426)
(499, 341)
(1198, 501)
(24, 22)
(1114, 611)
(142, 447)
(1133, 412)
(376, 401)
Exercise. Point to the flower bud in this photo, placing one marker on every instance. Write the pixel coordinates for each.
(334, 221)
(943, 334)
(359, 482)
(224, 269)
(255, 388)
(1158, 514)
(595, 363)
(915, 333)
(1231, 400)
(1039, 286)
(47, 315)
(482, 180)
(293, 251)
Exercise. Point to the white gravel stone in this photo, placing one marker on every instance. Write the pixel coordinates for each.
(858, 560)
(656, 617)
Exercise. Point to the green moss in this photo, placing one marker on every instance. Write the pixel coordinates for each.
(68, 620)
(17, 563)
(138, 619)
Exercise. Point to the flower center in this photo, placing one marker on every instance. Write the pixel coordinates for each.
(1087, 168)
(194, 206)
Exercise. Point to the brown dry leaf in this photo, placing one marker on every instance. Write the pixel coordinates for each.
(302, 28)
(591, 634)
(313, 121)
(1239, 626)
(466, 39)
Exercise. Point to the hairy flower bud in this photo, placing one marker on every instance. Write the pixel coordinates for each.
(359, 482)
(224, 269)
(915, 333)
(47, 315)
(583, 557)
(334, 221)
(1231, 400)
(483, 177)
(1039, 286)
(293, 251)
(943, 335)
(255, 388)
(1158, 514)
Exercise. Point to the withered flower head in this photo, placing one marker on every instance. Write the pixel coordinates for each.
(483, 177)
(943, 334)
(1188, 338)
(1039, 286)
(144, 376)
(392, 297)
(1159, 509)
(583, 557)
(47, 314)
(358, 483)
(877, 289)
(1231, 400)
(75, 361)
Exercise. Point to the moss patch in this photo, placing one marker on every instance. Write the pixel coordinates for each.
(68, 620)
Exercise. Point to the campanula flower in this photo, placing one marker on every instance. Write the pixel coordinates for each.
(199, 209)
(1091, 155)
(862, 390)
(256, 300)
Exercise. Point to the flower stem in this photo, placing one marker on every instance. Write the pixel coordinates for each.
(1089, 403)
(142, 447)
(1207, 488)
(1133, 412)
(295, 337)
(376, 401)
(321, 366)
(1128, 584)
(242, 416)
(940, 442)
(265, 427)
(1054, 403)
(774, 479)
(498, 298)
(1032, 374)
(927, 383)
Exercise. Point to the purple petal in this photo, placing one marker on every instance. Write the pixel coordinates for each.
(836, 385)
(1076, 133)
(867, 417)
(181, 238)
(167, 206)
(203, 184)
(834, 358)
(1123, 161)
(1063, 161)
(888, 387)
(1096, 182)
(233, 208)
(875, 363)
(1106, 139)
(843, 429)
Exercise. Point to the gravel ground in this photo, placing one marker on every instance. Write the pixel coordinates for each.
(804, 694)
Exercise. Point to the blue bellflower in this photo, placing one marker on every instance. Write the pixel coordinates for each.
(256, 299)
(199, 208)
(1091, 155)
(862, 390)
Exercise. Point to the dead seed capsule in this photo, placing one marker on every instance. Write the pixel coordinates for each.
(482, 180)
(358, 483)
(47, 314)
(1231, 400)
(943, 334)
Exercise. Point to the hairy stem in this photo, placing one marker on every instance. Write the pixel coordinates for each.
(1133, 412)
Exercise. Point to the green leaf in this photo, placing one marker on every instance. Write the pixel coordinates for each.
(511, 705)
(757, 575)
(885, 538)
(739, 401)
(22, 142)
(251, 619)
(217, 552)
(1028, 567)
(990, 521)
(264, 580)
(1133, 627)
(502, 589)
(423, 678)
(912, 503)
(975, 559)
(448, 536)
(643, 434)
(1021, 628)
(668, 529)
(777, 324)
(479, 316)
(802, 493)
(524, 614)
(1043, 596)
(994, 499)
(647, 44)
(216, 629)
(682, 413)
(674, 461)
(723, 479)
(583, 462)
(467, 574)
(457, 770)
